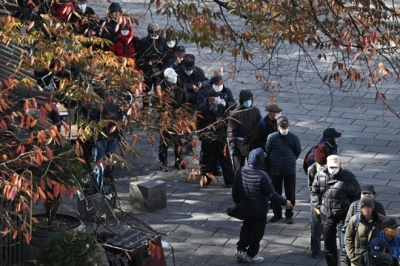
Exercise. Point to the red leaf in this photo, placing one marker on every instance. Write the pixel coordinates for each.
(56, 190)
(48, 181)
(43, 112)
(26, 106)
(112, 129)
(66, 126)
(63, 190)
(28, 238)
(30, 27)
(49, 153)
(376, 95)
(34, 103)
(3, 125)
(6, 231)
(39, 158)
(42, 184)
(50, 195)
(383, 96)
(35, 197)
(42, 195)
(15, 234)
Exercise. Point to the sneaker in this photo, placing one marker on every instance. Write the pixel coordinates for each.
(255, 259)
(289, 220)
(240, 255)
(274, 219)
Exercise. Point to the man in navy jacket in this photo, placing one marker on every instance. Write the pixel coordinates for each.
(251, 190)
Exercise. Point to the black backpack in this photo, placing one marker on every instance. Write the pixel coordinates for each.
(309, 159)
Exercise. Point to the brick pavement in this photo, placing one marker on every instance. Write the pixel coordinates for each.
(195, 222)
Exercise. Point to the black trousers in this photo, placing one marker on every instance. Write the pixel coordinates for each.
(316, 230)
(289, 183)
(165, 142)
(251, 234)
(330, 232)
(238, 161)
(212, 150)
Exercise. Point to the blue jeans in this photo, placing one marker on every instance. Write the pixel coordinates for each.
(316, 230)
(105, 147)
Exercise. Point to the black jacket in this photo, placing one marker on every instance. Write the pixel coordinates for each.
(283, 152)
(194, 79)
(259, 135)
(354, 208)
(216, 133)
(252, 188)
(175, 94)
(334, 194)
(226, 95)
(150, 54)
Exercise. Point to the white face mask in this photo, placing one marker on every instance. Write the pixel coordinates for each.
(284, 131)
(333, 170)
(171, 44)
(218, 88)
(189, 72)
(173, 79)
(277, 116)
(82, 7)
(217, 100)
(154, 37)
(124, 32)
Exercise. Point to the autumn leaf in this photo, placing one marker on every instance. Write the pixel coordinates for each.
(212, 177)
(27, 237)
(56, 190)
(15, 234)
(49, 153)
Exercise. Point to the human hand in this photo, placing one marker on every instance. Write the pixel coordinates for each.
(195, 88)
(223, 102)
(288, 205)
(318, 211)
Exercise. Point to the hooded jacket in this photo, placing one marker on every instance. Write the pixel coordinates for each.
(393, 246)
(357, 239)
(354, 208)
(124, 46)
(252, 187)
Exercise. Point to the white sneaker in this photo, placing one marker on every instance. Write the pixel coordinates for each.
(255, 259)
(240, 255)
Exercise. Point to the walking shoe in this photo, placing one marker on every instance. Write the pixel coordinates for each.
(274, 219)
(240, 255)
(289, 220)
(217, 172)
(255, 259)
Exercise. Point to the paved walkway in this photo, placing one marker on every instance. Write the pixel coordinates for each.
(195, 222)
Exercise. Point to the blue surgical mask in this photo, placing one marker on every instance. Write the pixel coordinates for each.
(247, 104)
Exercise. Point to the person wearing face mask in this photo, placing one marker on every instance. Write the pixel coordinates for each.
(124, 46)
(151, 51)
(213, 139)
(361, 229)
(174, 97)
(171, 44)
(390, 234)
(242, 120)
(332, 192)
(283, 148)
(180, 53)
(87, 19)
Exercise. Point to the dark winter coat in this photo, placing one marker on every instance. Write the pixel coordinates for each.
(62, 11)
(357, 239)
(283, 152)
(334, 195)
(259, 136)
(240, 124)
(111, 114)
(311, 173)
(107, 29)
(226, 95)
(252, 188)
(150, 54)
(330, 145)
(194, 79)
(176, 93)
(354, 208)
(124, 46)
(206, 117)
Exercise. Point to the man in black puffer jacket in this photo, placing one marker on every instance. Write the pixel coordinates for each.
(333, 190)
(252, 189)
(283, 148)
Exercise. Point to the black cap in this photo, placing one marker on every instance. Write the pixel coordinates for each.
(383, 259)
(213, 93)
(245, 95)
(188, 62)
(390, 223)
(365, 188)
(331, 133)
(179, 48)
(367, 201)
(216, 79)
(282, 121)
(376, 246)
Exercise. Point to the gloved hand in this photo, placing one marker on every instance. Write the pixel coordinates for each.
(318, 211)
(223, 102)
(246, 139)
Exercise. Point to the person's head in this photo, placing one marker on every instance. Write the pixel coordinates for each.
(188, 65)
(256, 158)
(366, 206)
(180, 52)
(246, 98)
(172, 43)
(153, 30)
(125, 29)
(367, 190)
(214, 97)
(391, 228)
(321, 154)
(383, 259)
(170, 75)
(114, 10)
(331, 136)
(274, 110)
(376, 246)
(283, 125)
(217, 83)
(82, 4)
(333, 164)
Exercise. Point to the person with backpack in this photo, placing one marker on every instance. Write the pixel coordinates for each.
(377, 255)
(263, 129)
(333, 190)
(316, 222)
(330, 138)
(390, 234)
(360, 230)
(366, 190)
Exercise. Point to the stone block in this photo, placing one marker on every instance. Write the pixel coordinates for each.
(148, 196)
